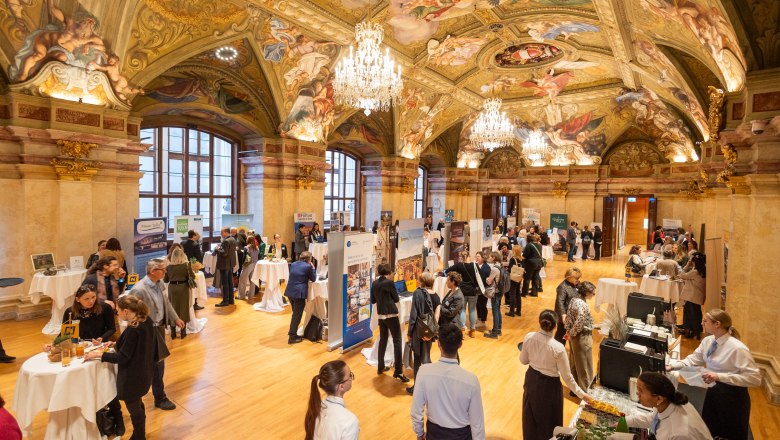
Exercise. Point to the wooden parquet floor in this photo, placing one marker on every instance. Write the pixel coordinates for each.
(240, 378)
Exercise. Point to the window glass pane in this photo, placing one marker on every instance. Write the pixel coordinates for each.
(146, 183)
(147, 136)
(349, 190)
(222, 185)
(222, 165)
(175, 139)
(175, 166)
(175, 183)
(145, 207)
(220, 206)
(192, 206)
(222, 147)
(192, 144)
(204, 143)
(205, 211)
(174, 209)
(146, 162)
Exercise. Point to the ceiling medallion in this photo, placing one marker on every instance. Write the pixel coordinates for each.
(527, 54)
(492, 129)
(227, 54)
(367, 78)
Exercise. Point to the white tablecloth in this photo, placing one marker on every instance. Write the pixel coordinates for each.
(72, 395)
(648, 254)
(319, 251)
(440, 286)
(372, 354)
(316, 303)
(666, 289)
(271, 273)
(61, 288)
(209, 262)
(432, 263)
(547, 252)
(201, 294)
(614, 292)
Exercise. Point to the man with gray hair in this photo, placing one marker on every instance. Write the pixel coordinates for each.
(151, 290)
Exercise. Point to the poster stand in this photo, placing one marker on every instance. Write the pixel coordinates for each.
(335, 289)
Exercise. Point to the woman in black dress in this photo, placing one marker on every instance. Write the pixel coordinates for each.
(424, 301)
(96, 318)
(135, 355)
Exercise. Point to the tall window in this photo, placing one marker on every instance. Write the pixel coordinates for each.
(420, 193)
(341, 190)
(187, 172)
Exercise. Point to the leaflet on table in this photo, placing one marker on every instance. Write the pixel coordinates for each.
(356, 289)
(150, 241)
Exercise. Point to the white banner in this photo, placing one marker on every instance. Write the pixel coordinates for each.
(185, 223)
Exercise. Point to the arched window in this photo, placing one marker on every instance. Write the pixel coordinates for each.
(341, 186)
(187, 172)
(420, 192)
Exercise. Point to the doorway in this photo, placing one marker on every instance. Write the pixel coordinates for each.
(627, 220)
(499, 206)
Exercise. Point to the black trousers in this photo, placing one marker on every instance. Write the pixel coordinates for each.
(436, 432)
(560, 331)
(529, 276)
(297, 314)
(158, 387)
(515, 303)
(538, 281)
(597, 250)
(392, 325)
(585, 249)
(482, 308)
(726, 411)
(542, 405)
(423, 357)
(692, 317)
(226, 284)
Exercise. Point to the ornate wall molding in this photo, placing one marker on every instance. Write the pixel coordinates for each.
(304, 179)
(560, 189)
(715, 111)
(74, 166)
(634, 159)
(632, 191)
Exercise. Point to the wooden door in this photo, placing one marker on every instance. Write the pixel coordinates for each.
(487, 206)
(608, 226)
(652, 212)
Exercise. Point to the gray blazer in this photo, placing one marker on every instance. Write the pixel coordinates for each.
(227, 258)
(451, 306)
(144, 290)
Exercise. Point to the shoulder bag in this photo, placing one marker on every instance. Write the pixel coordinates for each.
(544, 262)
(426, 326)
(517, 272)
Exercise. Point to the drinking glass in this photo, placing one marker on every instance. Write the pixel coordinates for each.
(66, 357)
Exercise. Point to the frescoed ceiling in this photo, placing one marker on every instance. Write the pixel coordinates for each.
(583, 71)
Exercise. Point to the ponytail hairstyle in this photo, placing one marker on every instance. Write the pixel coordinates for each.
(547, 320)
(659, 385)
(135, 305)
(718, 315)
(331, 375)
(699, 261)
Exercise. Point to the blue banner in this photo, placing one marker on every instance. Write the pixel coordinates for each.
(357, 289)
(150, 241)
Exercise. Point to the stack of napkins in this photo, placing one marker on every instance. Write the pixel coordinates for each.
(636, 347)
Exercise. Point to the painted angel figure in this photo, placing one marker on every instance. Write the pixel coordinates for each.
(281, 37)
(546, 30)
(453, 51)
(549, 85)
(118, 82)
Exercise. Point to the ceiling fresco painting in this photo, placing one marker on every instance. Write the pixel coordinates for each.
(580, 71)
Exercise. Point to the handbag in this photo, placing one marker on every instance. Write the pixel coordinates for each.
(190, 280)
(544, 262)
(517, 272)
(426, 326)
(408, 356)
(105, 422)
(161, 349)
(313, 330)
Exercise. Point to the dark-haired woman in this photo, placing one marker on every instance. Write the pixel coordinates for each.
(114, 249)
(694, 294)
(728, 365)
(315, 234)
(96, 318)
(329, 418)
(452, 302)
(135, 353)
(673, 417)
(96, 256)
(384, 295)
(425, 301)
(542, 394)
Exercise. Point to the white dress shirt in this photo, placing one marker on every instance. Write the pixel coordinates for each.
(547, 356)
(731, 360)
(452, 397)
(336, 422)
(677, 422)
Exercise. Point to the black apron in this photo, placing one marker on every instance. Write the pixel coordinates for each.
(726, 411)
(436, 432)
(542, 405)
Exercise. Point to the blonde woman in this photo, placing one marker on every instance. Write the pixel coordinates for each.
(730, 367)
(179, 277)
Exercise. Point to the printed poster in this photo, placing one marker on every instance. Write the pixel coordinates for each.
(457, 241)
(383, 243)
(449, 215)
(184, 223)
(531, 216)
(237, 221)
(357, 288)
(150, 241)
(306, 219)
(487, 237)
(511, 222)
(559, 221)
(409, 253)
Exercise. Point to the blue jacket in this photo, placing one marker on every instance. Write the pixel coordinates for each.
(301, 273)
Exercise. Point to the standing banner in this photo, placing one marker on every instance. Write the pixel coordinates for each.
(383, 244)
(410, 244)
(474, 235)
(531, 216)
(559, 221)
(356, 289)
(306, 219)
(336, 221)
(185, 223)
(457, 242)
(151, 241)
(238, 221)
(487, 237)
(449, 215)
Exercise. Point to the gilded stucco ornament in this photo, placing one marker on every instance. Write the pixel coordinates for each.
(74, 166)
(304, 179)
(715, 111)
(560, 189)
(632, 191)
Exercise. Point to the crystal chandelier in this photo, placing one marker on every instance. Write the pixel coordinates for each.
(367, 78)
(492, 129)
(535, 147)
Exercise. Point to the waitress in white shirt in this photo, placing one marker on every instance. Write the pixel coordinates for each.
(329, 419)
(731, 367)
(674, 418)
(542, 394)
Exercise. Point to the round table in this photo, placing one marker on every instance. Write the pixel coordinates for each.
(547, 252)
(72, 395)
(61, 288)
(271, 273)
(372, 354)
(209, 262)
(667, 289)
(316, 303)
(432, 262)
(200, 292)
(319, 251)
(440, 286)
(614, 292)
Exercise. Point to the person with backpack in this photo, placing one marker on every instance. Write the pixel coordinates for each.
(516, 272)
(587, 238)
(384, 295)
(497, 282)
(423, 320)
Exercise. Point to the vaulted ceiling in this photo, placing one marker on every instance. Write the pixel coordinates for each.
(583, 71)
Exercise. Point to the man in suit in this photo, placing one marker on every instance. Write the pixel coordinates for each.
(571, 241)
(226, 261)
(300, 240)
(301, 272)
(151, 290)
